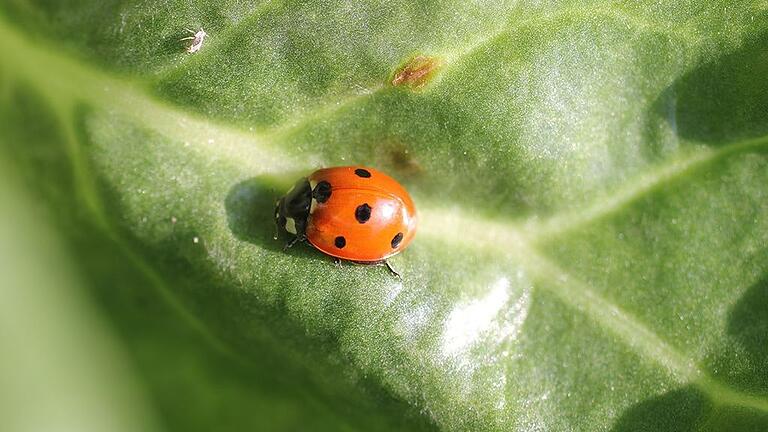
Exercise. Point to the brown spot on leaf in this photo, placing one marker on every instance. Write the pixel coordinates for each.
(403, 161)
(417, 72)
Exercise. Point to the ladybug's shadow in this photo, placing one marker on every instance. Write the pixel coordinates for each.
(250, 207)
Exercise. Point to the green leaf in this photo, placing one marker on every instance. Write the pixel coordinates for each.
(590, 178)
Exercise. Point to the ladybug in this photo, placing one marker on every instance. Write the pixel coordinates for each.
(352, 213)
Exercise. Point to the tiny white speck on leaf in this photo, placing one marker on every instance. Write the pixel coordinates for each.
(197, 40)
(195, 240)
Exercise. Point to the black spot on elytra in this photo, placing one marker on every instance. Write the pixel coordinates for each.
(340, 242)
(322, 191)
(363, 213)
(363, 173)
(396, 240)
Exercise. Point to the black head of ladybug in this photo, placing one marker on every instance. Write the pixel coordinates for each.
(292, 210)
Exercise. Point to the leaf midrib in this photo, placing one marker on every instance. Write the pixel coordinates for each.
(75, 83)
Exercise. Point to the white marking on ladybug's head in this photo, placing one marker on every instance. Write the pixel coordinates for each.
(312, 184)
(312, 206)
(290, 225)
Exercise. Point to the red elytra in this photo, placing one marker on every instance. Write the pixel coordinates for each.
(353, 213)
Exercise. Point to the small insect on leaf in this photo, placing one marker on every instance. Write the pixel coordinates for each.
(416, 72)
(197, 40)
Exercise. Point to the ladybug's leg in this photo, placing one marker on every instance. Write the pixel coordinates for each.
(277, 230)
(292, 242)
(380, 263)
(277, 220)
(393, 271)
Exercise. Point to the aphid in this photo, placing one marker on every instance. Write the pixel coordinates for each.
(197, 40)
(352, 213)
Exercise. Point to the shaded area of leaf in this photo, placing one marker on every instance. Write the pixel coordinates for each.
(748, 323)
(677, 411)
(688, 410)
(250, 211)
(736, 419)
(724, 100)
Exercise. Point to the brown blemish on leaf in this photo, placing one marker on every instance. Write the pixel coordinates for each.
(416, 72)
(403, 161)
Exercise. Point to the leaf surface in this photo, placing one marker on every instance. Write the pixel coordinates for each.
(590, 176)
